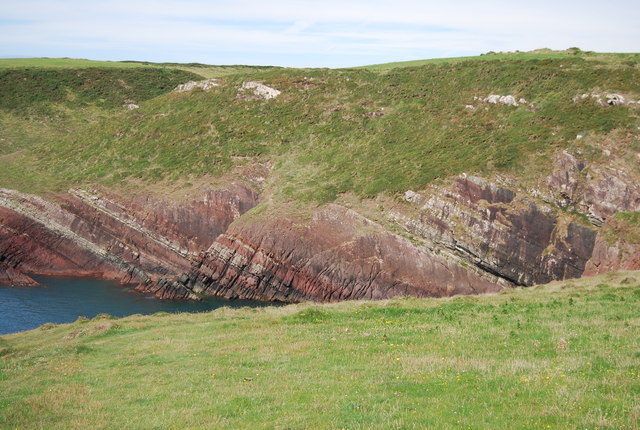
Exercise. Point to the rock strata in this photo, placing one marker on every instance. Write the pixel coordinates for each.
(139, 239)
(488, 226)
(469, 235)
(607, 256)
(597, 192)
(338, 255)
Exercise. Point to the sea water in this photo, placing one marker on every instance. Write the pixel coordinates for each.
(63, 300)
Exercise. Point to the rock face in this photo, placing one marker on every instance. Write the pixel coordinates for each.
(619, 255)
(470, 235)
(597, 192)
(338, 255)
(141, 239)
(513, 238)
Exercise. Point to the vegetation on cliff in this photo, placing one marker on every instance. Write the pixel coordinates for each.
(560, 356)
(367, 131)
(624, 226)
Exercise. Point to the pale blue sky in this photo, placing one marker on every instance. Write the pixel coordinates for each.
(329, 33)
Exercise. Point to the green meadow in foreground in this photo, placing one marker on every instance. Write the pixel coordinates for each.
(565, 355)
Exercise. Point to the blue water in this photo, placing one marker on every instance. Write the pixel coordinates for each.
(63, 300)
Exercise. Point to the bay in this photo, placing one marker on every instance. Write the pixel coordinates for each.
(63, 300)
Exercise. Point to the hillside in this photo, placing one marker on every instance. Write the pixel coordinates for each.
(427, 179)
(558, 356)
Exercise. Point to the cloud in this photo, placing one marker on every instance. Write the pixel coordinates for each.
(305, 33)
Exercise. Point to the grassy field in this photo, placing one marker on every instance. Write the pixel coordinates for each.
(539, 54)
(330, 132)
(546, 54)
(561, 356)
(203, 70)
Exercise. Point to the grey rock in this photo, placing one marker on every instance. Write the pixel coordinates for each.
(204, 85)
(260, 91)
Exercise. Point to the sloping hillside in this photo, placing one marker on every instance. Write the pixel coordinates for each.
(459, 176)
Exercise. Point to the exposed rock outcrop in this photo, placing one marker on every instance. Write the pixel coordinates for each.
(607, 99)
(470, 235)
(139, 239)
(205, 85)
(607, 256)
(596, 192)
(257, 90)
(11, 276)
(338, 255)
(487, 225)
(508, 100)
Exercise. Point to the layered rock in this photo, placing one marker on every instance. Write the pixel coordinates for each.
(597, 192)
(486, 225)
(468, 236)
(616, 255)
(338, 255)
(138, 239)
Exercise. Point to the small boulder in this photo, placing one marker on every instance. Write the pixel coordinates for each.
(260, 91)
(493, 99)
(615, 100)
(413, 197)
(205, 85)
(507, 100)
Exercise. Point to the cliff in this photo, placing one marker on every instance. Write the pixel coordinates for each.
(466, 236)
(291, 185)
(136, 239)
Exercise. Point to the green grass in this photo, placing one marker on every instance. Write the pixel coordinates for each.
(560, 356)
(13, 63)
(203, 70)
(36, 91)
(488, 57)
(327, 143)
(632, 218)
(539, 54)
(330, 132)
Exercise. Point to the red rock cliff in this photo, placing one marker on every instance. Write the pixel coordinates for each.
(470, 235)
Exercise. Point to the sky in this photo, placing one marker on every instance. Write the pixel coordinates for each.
(321, 33)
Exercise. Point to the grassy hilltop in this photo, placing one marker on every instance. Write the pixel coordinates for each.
(366, 131)
(561, 356)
